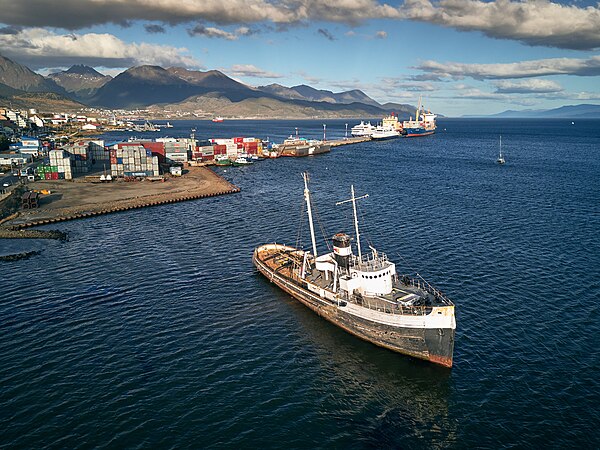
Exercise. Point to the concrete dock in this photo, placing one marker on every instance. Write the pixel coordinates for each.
(348, 141)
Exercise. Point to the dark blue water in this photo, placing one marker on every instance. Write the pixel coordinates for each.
(152, 329)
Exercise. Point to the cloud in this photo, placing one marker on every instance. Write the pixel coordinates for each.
(469, 92)
(38, 48)
(528, 87)
(537, 23)
(310, 78)
(10, 30)
(246, 31)
(326, 34)
(381, 35)
(75, 14)
(399, 84)
(542, 67)
(154, 28)
(248, 70)
(211, 32)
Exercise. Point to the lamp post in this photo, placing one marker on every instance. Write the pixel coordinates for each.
(296, 133)
(346, 131)
(324, 136)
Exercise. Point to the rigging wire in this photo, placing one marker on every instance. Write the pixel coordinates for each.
(321, 227)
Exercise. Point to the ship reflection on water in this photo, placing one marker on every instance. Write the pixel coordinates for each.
(377, 395)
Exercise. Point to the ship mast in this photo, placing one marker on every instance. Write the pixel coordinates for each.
(353, 200)
(310, 219)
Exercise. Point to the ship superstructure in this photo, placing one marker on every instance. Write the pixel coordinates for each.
(422, 125)
(363, 294)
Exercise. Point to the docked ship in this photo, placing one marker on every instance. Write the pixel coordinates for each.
(389, 128)
(363, 294)
(384, 132)
(362, 129)
(218, 119)
(295, 146)
(423, 125)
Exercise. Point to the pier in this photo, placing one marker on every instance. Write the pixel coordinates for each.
(348, 141)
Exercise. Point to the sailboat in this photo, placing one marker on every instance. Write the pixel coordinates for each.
(362, 293)
(500, 159)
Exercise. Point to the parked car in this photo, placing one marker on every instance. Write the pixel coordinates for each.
(7, 184)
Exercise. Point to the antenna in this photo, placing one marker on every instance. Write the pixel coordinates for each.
(353, 200)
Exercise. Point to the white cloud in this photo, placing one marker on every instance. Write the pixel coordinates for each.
(39, 48)
(538, 22)
(211, 32)
(524, 69)
(381, 34)
(534, 86)
(248, 70)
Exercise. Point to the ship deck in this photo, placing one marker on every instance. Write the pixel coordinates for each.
(408, 296)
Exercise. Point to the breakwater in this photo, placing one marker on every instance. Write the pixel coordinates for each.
(120, 208)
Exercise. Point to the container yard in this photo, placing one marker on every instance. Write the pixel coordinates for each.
(69, 201)
(90, 177)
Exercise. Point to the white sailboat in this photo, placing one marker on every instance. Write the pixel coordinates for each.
(500, 159)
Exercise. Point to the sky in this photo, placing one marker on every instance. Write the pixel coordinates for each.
(464, 57)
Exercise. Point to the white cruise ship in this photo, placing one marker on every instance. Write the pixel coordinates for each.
(362, 129)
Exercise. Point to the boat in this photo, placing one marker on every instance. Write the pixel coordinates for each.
(423, 125)
(362, 293)
(295, 146)
(168, 125)
(362, 129)
(222, 160)
(500, 159)
(384, 132)
(218, 119)
(241, 161)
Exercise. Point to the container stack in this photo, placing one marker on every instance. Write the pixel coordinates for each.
(58, 168)
(231, 146)
(133, 161)
(97, 152)
(79, 156)
(252, 146)
(207, 152)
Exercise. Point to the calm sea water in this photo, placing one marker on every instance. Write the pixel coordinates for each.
(151, 328)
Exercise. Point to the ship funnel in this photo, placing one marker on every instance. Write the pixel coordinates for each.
(342, 250)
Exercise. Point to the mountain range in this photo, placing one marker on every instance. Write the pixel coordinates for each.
(199, 93)
(584, 111)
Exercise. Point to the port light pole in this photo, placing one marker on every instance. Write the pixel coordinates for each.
(346, 131)
(324, 136)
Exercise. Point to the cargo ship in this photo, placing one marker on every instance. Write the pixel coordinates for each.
(362, 293)
(423, 125)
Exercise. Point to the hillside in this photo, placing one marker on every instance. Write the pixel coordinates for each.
(81, 81)
(20, 77)
(583, 111)
(264, 108)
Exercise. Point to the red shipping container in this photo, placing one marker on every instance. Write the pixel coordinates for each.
(48, 176)
(54, 175)
(238, 140)
(208, 157)
(155, 147)
(252, 151)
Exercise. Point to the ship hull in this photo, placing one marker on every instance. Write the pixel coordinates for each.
(431, 344)
(417, 132)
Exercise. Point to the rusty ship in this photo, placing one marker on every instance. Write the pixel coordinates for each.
(362, 293)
